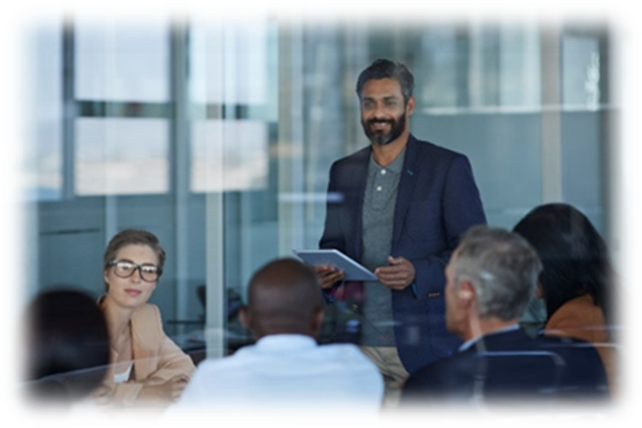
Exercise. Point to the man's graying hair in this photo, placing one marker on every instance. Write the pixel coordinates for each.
(503, 269)
(386, 69)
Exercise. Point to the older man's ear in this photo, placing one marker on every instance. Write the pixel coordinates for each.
(466, 292)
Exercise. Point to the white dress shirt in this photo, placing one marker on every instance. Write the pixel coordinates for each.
(286, 370)
(124, 376)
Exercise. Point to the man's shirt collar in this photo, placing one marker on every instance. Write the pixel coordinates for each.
(472, 341)
(396, 166)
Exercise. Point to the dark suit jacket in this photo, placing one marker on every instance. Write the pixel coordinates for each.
(511, 365)
(437, 201)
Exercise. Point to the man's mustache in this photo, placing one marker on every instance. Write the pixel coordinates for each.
(373, 121)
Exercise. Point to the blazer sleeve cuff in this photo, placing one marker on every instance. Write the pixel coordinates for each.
(127, 393)
(329, 298)
(329, 293)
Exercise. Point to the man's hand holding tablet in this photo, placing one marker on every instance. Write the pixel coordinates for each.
(328, 275)
(332, 266)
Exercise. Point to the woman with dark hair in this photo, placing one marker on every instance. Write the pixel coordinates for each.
(576, 283)
(147, 366)
(67, 347)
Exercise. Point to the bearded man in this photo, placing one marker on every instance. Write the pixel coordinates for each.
(399, 207)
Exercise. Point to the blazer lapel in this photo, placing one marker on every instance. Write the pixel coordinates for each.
(111, 370)
(141, 366)
(405, 189)
(360, 173)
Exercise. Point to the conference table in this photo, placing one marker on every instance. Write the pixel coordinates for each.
(143, 415)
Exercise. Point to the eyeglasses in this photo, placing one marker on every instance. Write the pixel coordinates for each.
(125, 269)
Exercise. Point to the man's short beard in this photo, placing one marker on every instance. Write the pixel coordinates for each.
(379, 138)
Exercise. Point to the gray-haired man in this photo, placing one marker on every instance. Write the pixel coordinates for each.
(490, 279)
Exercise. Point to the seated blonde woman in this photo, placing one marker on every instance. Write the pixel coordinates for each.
(147, 367)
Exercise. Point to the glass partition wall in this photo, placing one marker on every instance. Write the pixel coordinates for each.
(218, 137)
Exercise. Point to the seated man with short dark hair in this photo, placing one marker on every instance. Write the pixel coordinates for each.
(490, 279)
(286, 369)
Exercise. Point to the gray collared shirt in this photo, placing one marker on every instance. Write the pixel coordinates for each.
(377, 226)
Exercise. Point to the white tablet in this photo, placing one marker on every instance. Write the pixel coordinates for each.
(353, 270)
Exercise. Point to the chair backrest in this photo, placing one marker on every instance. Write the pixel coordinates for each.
(232, 305)
(557, 385)
(625, 352)
(533, 357)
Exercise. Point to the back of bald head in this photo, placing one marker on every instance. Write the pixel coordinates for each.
(284, 298)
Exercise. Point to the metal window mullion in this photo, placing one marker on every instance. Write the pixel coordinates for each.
(69, 113)
(290, 130)
(214, 248)
(179, 166)
(551, 120)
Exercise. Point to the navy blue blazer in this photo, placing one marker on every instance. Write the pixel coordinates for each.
(437, 201)
(511, 365)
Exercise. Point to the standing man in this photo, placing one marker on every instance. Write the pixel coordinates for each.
(398, 207)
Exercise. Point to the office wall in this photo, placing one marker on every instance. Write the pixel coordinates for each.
(266, 148)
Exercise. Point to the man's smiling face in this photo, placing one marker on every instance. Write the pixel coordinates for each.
(384, 110)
